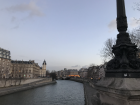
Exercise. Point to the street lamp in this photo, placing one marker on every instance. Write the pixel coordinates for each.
(125, 63)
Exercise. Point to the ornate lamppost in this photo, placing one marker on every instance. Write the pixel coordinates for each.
(125, 63)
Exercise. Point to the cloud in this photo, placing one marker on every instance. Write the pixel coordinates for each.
(31, 8)
(16, 27)
(76, 66)
(13, 19)
(112, 25)
(133, 23)
(86, 66)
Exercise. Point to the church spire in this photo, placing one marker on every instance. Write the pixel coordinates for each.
(44, 63)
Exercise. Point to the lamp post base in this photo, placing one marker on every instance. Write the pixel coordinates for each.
(123, 73)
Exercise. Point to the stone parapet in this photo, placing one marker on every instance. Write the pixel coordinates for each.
(118, 91)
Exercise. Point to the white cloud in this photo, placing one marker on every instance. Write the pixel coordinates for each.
(32, 8)
(76, 66)
(13, 19)
(112, 25)
(17, 26)
(132, 23)
(86, 66)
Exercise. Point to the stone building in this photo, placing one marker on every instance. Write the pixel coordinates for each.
(24, 69)
(68, 73)
(72, 72)
(5, 62)
(83, 72)
(43, 69)
(60, 73)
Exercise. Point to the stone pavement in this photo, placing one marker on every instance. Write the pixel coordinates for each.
(91, 95)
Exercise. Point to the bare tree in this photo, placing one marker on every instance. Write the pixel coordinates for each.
(91, 65)
(135, 36)
(53, 75)
(106, 52)
(47, 72)
(137, 7)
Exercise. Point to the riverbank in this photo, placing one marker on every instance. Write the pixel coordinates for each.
(79, 80)
(13, 89)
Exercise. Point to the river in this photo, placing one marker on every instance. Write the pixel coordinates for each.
(64, 92)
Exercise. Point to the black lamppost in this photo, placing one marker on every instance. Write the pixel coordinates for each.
(125, 63)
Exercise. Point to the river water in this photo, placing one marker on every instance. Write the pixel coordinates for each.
(64, 92)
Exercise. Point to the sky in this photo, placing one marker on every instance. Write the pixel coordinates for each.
(66, 33)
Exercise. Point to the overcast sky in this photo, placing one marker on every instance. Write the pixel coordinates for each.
(66, 33)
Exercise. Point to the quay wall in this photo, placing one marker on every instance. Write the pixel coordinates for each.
(14, 82)
(13, 89)
(79, 80)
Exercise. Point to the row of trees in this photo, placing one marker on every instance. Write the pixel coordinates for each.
(51, 74)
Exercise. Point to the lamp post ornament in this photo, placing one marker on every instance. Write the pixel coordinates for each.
(125, 64)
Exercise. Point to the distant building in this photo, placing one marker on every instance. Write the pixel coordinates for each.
(83, 72)
(68, 73)
(102, 70)
(65, 72)
(5, 63)
(43, 69)
(72, 73)
(25, 69)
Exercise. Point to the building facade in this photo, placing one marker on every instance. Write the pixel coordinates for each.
(67, 73)
(24, 69)
(5, 63)
(72, 73)
(83, 72)
(43, 69)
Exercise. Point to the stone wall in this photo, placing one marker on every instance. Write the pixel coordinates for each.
(79, 80)
(9, 90)
(14, 82)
